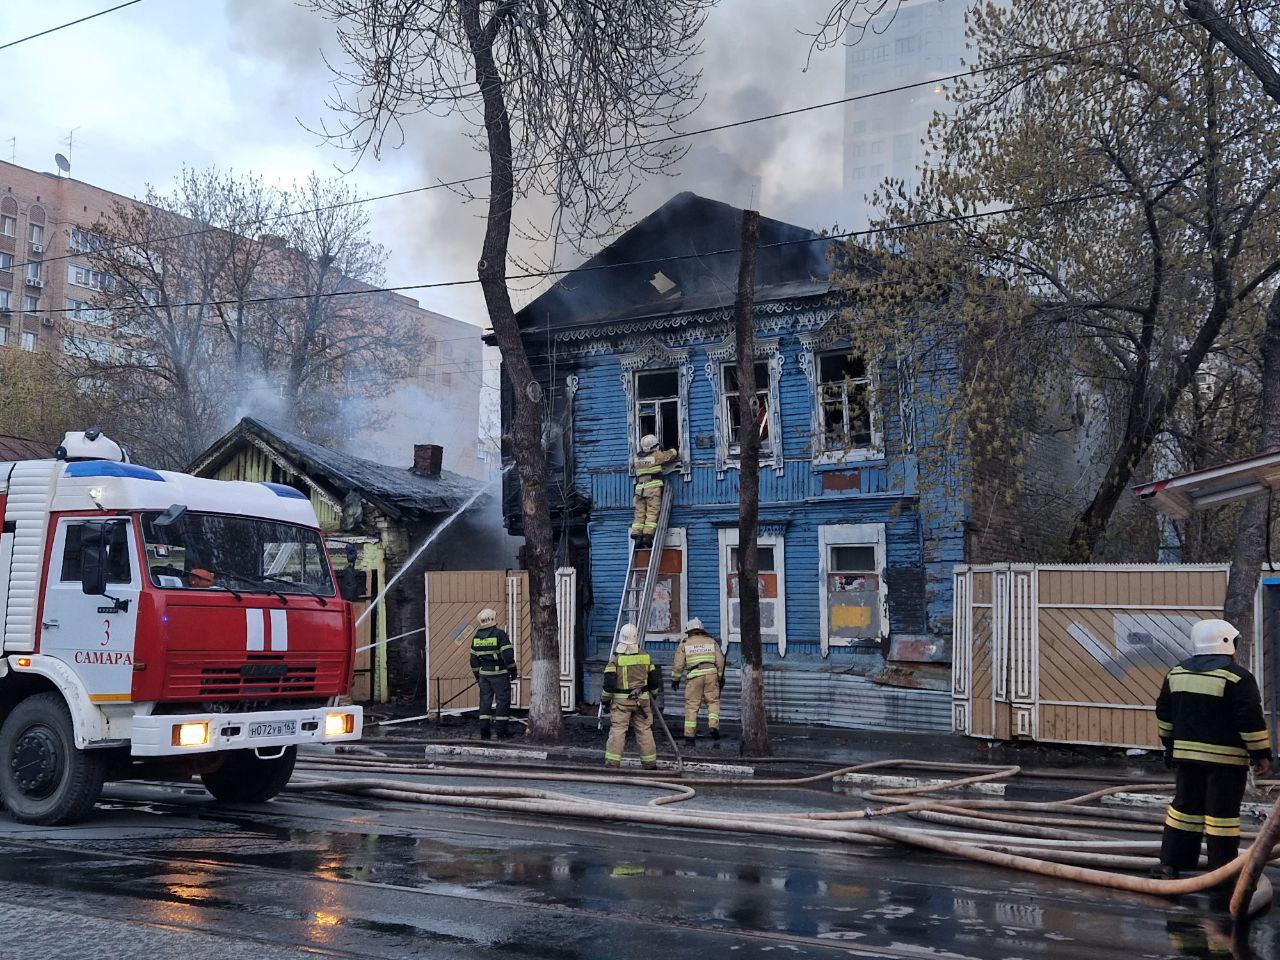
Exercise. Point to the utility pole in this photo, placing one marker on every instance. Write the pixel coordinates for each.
(755, 729)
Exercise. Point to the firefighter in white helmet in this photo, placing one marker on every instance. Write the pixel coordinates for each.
(493, 662)
(631, 680)
(1209, 716)
(647, 466)
(700, 663)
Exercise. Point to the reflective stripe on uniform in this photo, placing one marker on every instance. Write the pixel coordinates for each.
(1164, 728)
(613, 756)
(648, 757)
(1257, 740)
(1210, 753)
(1190, 822)
(1197, 683)
(1222, 826)
(703, 671)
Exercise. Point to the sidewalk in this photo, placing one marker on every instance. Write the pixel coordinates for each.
(584, 744)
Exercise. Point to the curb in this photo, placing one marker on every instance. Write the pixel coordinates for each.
(570, 756)
(493, 753)
(878, 781)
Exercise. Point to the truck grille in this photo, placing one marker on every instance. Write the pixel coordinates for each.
(261, 676)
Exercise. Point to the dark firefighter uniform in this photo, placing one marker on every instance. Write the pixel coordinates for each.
(647, 502)
(1209, 716)
(493, 661)
(630, 681)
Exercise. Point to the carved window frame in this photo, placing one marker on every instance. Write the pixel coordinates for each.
(727, 352)
(814, 345)
(653, 354)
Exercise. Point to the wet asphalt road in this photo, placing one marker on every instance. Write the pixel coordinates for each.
(162, 872)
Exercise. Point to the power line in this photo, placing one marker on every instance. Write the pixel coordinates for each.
(716, 128)
(70, 23)
(650, 261)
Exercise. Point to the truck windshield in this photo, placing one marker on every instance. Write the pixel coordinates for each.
(211, 551)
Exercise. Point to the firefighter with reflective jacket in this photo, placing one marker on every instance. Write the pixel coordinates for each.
(1209, 716)
(701, 664)
(647, 501)
(631, 680)
(493, 661)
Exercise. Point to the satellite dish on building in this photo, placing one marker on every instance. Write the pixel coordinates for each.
(63, 163)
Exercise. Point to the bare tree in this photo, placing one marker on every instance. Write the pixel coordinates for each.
(1122, 265)
(1249, 29)
(564, 99)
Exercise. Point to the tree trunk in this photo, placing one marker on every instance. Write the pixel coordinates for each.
(1249, 549)
(545, 722)
(755, 729)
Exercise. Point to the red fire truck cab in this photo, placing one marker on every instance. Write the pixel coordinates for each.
(157, 625)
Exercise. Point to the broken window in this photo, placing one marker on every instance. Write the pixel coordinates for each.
(853, 585)
(657, 399)
(844, 403)
(731, 415)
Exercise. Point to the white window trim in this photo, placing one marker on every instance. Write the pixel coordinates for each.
(726, 352)
(849, 535)
(676, 540)
(728, 538)
(814, 346)
(655, 355)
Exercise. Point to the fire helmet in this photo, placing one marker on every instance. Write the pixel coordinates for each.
(694, 625)
(1214, 636)
(628, 639)
(487, 618)
(648, 443)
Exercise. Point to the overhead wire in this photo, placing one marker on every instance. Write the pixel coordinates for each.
(659, 141)
(69, 23)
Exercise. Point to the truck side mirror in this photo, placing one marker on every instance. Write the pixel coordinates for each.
(94, 550)
(99, 539)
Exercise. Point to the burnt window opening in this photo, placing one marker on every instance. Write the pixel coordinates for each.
(733, 415)
(844, 402)
(658, 407)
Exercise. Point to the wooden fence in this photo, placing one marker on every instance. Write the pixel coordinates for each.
(1075, 654)
(455, 599)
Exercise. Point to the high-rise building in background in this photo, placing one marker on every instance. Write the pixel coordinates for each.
(883, 134)
(48, 287)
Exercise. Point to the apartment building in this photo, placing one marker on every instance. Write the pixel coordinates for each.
(48, 285)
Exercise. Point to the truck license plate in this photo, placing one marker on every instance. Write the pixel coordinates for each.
(273, 728)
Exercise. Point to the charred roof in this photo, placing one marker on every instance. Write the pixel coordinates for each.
(398, 491)
(684, 256)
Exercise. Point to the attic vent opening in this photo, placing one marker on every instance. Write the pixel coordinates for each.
(662, 283)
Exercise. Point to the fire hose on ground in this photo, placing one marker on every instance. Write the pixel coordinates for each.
(1056, 839)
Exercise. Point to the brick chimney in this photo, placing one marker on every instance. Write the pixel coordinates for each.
(427, 459)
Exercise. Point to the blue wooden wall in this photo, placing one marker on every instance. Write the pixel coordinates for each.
(923, 521)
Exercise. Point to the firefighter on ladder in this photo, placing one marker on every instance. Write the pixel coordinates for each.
(493, 662)
(1209, 716)
(699, 661)
(647, 501)
(631, 680)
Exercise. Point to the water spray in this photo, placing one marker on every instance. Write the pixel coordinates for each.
(413, 558)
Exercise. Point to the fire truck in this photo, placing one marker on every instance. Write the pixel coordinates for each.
(157, 625)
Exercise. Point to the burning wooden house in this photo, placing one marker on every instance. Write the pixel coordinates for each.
(855, 553)
(375, 517)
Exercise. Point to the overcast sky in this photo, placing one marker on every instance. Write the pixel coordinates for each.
(233, 82)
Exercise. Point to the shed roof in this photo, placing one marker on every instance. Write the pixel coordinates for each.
(1182, 495)
(399, 491)
(19, 448)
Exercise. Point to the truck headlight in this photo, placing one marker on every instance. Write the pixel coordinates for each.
(337, 724)
(191, 734)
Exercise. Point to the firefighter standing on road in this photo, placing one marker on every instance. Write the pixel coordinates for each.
(630, 682)
(1209, 715)
(699, 660)
(493, 661)
(648, 496)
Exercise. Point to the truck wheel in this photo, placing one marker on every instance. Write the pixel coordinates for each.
(246, 778)
(44, 779)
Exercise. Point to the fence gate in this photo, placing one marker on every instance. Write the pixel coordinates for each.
(1075, 654)
(453, 601)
